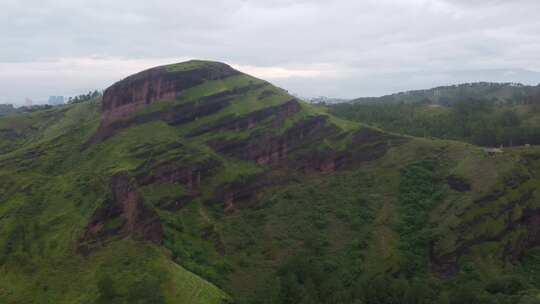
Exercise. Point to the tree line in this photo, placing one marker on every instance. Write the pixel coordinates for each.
(85, 97)
(485, 122)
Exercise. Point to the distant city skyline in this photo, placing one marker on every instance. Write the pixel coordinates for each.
(56, 100)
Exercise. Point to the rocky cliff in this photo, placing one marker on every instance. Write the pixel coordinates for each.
(128, 96)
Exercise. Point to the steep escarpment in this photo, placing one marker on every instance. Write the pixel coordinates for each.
(505, 217)
(123, 215)
(278, 114)
(132, 94)
(123, 100)
(301, 142)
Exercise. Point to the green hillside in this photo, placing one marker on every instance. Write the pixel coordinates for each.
(195, 183)
(485, 114)
(447, 95)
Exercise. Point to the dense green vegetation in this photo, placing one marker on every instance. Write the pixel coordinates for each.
(315, 274)
(417, 196)
(448, 95)
(391, 219)
(486, 121)
(85, 97)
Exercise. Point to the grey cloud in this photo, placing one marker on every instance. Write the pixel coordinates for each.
(375, 44)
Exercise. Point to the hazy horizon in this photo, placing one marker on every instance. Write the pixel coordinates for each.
(343, 49)
(44, 100)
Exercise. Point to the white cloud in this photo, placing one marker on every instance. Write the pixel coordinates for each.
(272, 73)
(67, 76)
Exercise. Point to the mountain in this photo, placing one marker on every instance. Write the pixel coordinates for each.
(196, 183)
(485, 114)
(448, 95)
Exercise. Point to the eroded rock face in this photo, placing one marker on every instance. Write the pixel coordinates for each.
(169, 172)
(124, 101)
(303, 140)
(134, 93)
(267, 149)
(243, 193)
(526, 223)
(278, 113)
(298, 150)
(125, 215)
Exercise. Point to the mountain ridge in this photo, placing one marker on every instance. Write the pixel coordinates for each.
(446, 95)
(266, 197)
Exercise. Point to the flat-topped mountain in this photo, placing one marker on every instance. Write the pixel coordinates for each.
(162, 83)
(196, 183)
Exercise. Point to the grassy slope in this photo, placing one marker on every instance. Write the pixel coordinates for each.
(49, 191)
(357, 219)
(41, 234)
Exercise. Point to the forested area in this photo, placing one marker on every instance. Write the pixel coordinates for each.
(85, 97)
(485, 122)
(316, 276)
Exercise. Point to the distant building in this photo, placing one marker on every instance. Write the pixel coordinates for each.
(56, 100)
(28, 102)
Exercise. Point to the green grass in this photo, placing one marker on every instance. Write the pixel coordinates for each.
(365, 231)
(189, 65)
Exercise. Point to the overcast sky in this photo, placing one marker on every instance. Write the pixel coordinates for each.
(340, 48)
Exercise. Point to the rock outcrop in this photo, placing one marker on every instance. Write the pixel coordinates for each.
(123, 215)
(268, 149)
(512, 206)
(304, 139)
(134, 93)
(128, 97)
(172, 173)
(278, 115)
